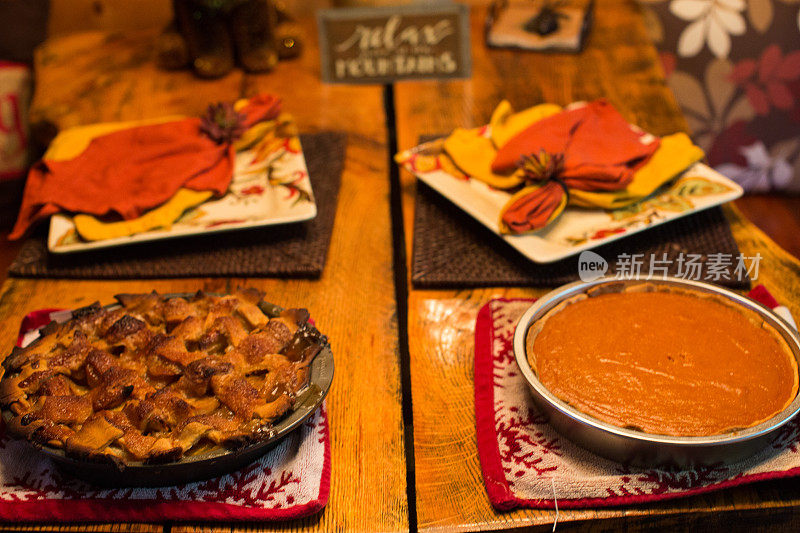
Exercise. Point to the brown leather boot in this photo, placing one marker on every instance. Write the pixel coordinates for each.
(207, 38)
(171, 50)
(253, 27)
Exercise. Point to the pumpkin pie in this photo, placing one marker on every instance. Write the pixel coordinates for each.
(664, 361)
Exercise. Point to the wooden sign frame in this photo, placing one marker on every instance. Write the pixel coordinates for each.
(391, 43)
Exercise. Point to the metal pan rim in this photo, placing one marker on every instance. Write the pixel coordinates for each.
(549, 300)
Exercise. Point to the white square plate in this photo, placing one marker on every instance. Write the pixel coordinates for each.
(267, 189)
(579, 229)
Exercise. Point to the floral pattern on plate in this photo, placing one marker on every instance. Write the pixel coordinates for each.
(675, 199)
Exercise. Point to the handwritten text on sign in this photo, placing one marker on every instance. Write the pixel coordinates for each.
(383, 44)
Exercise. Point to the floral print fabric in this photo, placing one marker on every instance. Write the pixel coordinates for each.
(734, 66)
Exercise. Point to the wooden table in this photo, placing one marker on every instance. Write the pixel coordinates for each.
(354, 301)
(450, 494)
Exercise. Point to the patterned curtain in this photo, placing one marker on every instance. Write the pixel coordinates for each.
(734, 66)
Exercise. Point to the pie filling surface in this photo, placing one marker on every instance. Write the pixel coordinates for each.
(158, 378)
(663, 361)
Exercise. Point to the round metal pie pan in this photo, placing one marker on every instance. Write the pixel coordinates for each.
(203, 466)
(638, 448)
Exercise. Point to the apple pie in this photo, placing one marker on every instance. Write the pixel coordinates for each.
(154, 379)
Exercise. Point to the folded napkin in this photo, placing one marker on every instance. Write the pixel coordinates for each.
(586, 155)
(525, 463)
(127, 168)
(290, 481)
(600, 149)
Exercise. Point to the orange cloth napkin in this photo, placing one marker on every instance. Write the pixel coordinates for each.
(533, 208)
(601, 151)
(132, 170)
(259, 108)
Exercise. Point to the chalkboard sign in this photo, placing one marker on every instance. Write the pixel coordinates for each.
(390, 43)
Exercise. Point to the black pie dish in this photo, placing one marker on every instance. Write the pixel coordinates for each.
(109, 473)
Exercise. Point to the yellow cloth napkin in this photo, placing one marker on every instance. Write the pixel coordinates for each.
(506, 124)
(93, 229)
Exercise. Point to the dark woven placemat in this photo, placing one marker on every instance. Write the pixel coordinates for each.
(292, 250)
(453, 250)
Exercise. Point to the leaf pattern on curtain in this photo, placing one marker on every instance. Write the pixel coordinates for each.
(734, 66)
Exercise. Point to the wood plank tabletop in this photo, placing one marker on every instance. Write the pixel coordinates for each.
(352, 303)
(450, 494)
(97, 77)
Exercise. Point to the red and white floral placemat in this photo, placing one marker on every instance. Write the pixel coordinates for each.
(290, 481)
(526, 463)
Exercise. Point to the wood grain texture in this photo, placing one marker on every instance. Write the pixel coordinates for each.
(88, 528)
(99, 76)
(72, 16)
(620, 65)
(353, 302)
(778, 215)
